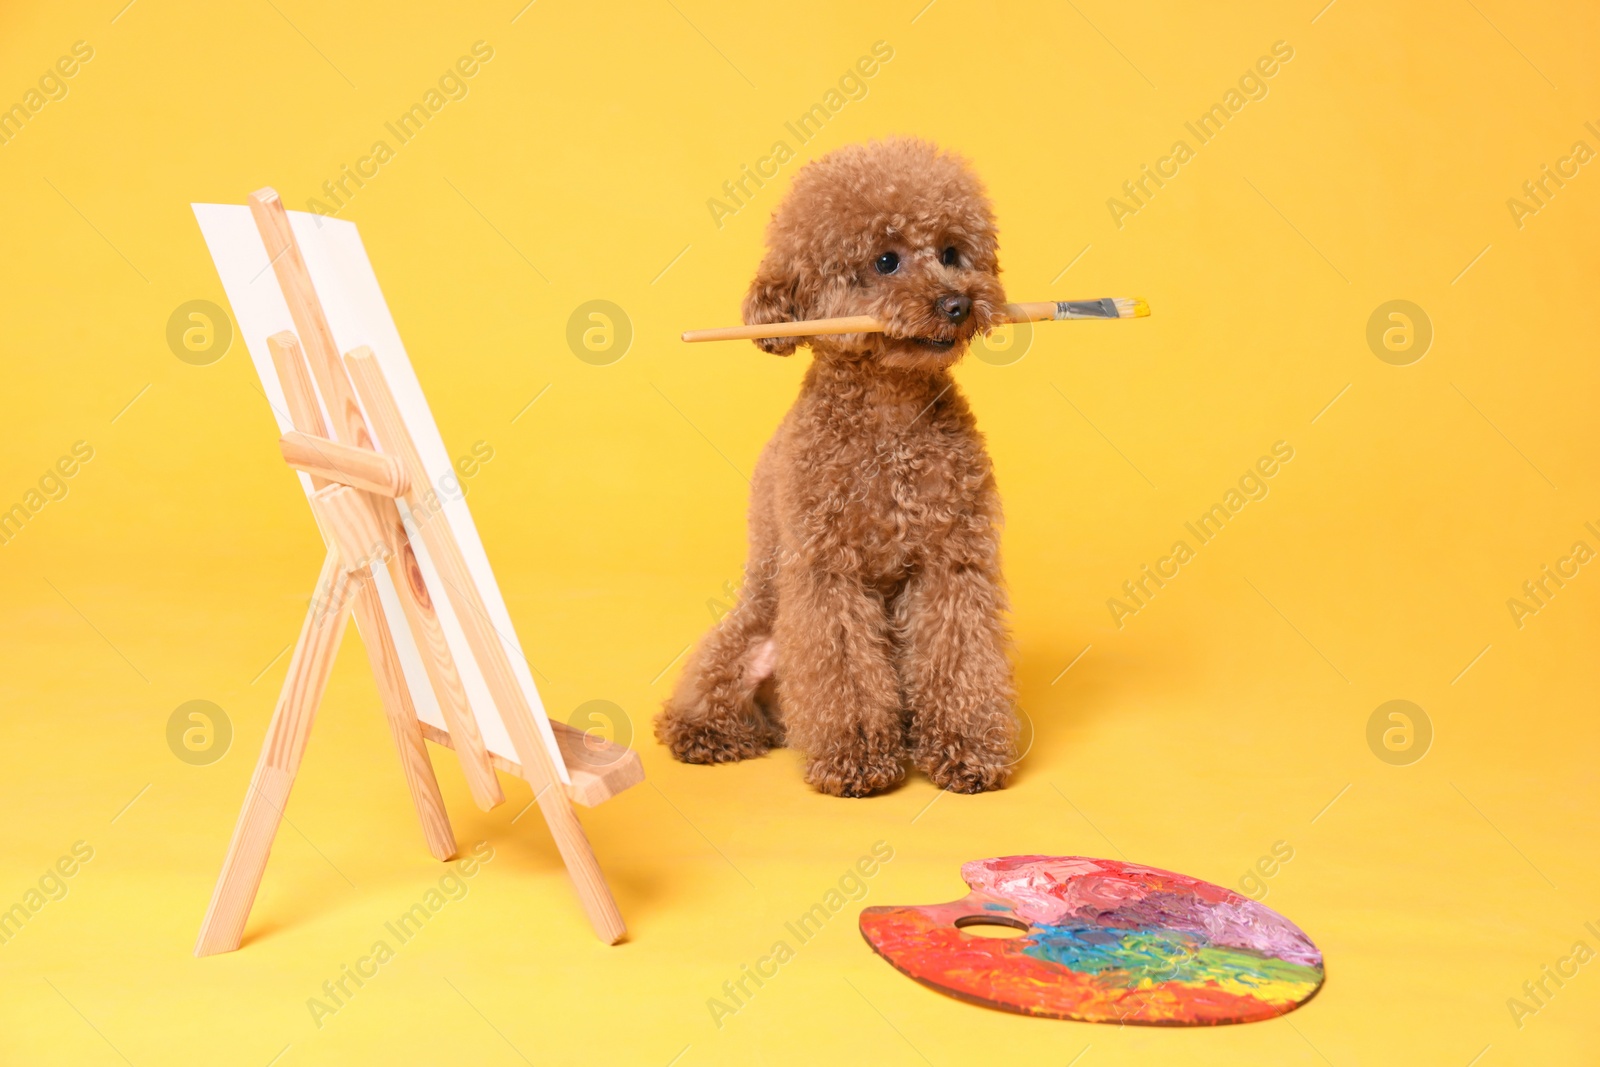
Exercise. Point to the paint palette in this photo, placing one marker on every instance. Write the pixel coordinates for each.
(1103, 941)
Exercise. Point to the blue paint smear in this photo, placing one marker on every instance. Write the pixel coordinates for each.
(1140, 957)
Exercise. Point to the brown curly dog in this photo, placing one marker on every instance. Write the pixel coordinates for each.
(869, 627)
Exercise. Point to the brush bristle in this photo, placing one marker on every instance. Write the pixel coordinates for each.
(1132, 307)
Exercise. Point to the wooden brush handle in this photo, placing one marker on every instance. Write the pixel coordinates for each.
(808, 328)
(1036, 311)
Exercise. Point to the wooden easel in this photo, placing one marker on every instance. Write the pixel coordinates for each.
(357, 486)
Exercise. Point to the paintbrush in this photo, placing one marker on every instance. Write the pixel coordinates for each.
(1039, 311)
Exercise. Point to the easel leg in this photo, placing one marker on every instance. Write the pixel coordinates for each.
(582, 865)
(402, 716)
(285, 743)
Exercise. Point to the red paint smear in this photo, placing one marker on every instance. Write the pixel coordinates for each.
(996, 973)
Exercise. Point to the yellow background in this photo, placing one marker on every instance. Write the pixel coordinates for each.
(1221, 719)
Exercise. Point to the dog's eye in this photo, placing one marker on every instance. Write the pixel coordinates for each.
(887, 263)
(950, 257)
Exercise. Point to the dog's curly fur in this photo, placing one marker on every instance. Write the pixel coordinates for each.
(870, 626)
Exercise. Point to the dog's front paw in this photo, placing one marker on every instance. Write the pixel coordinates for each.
(972, 761)
(968, 777)
(855, 775)
(700, 742)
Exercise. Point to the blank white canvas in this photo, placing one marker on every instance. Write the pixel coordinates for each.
(358, 315)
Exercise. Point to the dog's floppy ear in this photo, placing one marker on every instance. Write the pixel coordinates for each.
(773, 297)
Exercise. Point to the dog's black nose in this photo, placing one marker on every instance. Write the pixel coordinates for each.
(955, 308)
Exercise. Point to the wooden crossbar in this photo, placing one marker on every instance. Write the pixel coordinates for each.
(331, 461)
